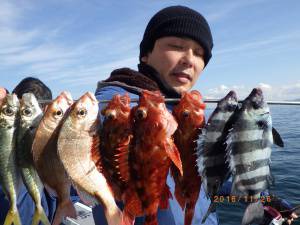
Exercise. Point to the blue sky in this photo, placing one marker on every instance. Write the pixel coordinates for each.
(72, 44)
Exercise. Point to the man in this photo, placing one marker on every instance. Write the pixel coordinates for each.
(175, 49)
(34, 86)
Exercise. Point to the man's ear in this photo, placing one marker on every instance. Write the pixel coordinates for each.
(144, 59)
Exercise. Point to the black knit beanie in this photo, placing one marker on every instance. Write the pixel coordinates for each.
(179, 21)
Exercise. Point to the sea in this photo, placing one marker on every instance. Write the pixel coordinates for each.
(285, 165)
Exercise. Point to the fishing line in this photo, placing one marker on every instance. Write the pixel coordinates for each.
(297, 103)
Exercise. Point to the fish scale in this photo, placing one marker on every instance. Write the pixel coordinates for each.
(9, 179)
(211, 152)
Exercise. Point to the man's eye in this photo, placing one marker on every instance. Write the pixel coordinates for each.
(175, 46)
(199, 54)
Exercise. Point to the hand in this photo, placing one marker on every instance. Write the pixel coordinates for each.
(291, 218)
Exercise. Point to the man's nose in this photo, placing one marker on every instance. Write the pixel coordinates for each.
(187, 58)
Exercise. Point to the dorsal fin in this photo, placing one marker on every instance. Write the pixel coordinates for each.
(121, 159)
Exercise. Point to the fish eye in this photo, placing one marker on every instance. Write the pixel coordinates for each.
(231, 108)
(26, 112)
(141, 114)
(58, 113)
(255, 105)
(261, 124)
(81, 112)
(8, 111)
(186, 113)
(111, 115)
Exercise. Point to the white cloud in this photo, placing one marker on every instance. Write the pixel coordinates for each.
(284, 92)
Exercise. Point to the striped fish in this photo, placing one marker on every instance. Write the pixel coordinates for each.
(211, 146)
(249, 150)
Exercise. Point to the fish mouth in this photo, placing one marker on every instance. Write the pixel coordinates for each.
(65, 95)
(91, 96)
(256, 97)
(229, 102)
(232, 96)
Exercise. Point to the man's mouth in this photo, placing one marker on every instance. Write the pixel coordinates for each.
(182, 77)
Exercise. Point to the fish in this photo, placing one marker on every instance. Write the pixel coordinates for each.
(78, 149)
(211, 148)
(115, 137)
(151, 151)
(248, 150)
(9, 178)
(2, 94)
(189, 114)
(30, 116)
(45, 157)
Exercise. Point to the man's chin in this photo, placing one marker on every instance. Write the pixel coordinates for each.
(181, 89)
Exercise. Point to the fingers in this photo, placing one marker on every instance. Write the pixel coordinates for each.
(294, 216)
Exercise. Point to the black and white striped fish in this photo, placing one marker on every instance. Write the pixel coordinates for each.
(211, 161)
(249, 150)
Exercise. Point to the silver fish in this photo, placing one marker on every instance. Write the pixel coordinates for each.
(8, 171)
(211, 161)
(78, 149)
(30, 116)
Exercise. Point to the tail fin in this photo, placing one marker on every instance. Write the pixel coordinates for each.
(127, 218)
(164, 199)
(179, 196)
(211, 208)
(114, 216)
(189, 212)
(40, 215)
(64, 209)
(254, 213)
(12, 217)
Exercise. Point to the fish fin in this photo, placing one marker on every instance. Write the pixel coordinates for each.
(277, 138)
(228, 154)
(254, 213)
(95, 152)
(127, 218)
(151, 219)
(50, 190)
(85, 197)
(12, 217)
(133, 204)
(200, 152)
(179, 196)
(173, 154)
(64, 209)
(211, 208)
(270, 179)
(164, 198)
(40, 215)
(121, 159)
(114, 216)
(189, 212)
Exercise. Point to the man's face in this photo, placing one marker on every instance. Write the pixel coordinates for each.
(178, 60)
